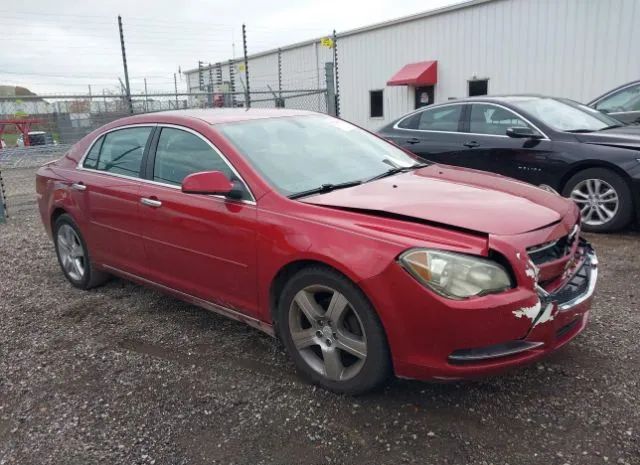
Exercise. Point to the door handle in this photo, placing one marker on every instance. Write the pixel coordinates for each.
(412, 140)
(78, 186)
(150, 202)
(471, 144)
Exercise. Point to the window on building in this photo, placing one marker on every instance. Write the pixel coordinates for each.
(478, 87)
(181, 153)
(375, 104)
(120, 152)
(491, 119)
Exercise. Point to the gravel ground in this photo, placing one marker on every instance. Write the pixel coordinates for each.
(123, 374)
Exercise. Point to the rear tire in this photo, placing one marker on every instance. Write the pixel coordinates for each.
(604, 199)
(332, 333)
(73, 255)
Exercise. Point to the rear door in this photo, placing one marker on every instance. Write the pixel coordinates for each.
(487, 146)
(202, 245)
(433, 133)
(110, 188)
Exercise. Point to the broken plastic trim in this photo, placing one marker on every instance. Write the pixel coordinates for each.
(494, 351)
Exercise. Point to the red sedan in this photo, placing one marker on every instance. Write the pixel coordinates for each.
(363, 261)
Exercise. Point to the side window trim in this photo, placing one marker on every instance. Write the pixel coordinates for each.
(149, 157)
(152, 157)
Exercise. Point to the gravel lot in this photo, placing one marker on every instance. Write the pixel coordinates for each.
(123, 374)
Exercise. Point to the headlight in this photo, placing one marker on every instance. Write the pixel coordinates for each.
(455, 275)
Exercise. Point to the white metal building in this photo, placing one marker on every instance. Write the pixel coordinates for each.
(572, 48)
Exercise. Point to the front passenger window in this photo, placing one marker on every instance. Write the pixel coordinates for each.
(492, 119)
(625, 100)
(181, 153)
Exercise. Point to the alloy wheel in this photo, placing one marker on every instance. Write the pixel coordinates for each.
(71, 252)
(327, 332)
(597, 199)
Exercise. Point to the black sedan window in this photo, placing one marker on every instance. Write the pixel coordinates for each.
(445, 118)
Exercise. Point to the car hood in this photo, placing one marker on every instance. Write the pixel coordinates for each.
(456, 197)
(626, 137)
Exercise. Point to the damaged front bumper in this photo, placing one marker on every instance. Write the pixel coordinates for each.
(557, 318)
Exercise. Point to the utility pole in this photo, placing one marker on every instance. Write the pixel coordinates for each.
(175, 85)
(124, 64)
(246, 66)
(146, 96)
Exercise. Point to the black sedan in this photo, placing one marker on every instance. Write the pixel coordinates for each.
(555, 143)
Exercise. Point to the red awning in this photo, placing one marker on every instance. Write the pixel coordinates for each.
(424, 73)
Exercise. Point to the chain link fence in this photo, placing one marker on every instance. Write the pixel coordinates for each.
(36, 129)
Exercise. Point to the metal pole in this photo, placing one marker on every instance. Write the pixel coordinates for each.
(124, 64)
(335, 67)
(146, 97)
(246, 66)
(104, 99)
(232, 84)
(3, 202)
(175, 85)
(280, 73)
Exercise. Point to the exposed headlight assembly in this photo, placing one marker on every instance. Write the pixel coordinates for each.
(454, 275)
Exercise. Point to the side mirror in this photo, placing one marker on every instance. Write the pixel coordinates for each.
(523, 132)
(207, 183)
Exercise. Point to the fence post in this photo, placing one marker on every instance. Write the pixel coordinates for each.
(246, 66)
(335, 65)
(3, 203)
(331, 91)
(232, 84)
(124, 64)
(175, 86)
(280, 73)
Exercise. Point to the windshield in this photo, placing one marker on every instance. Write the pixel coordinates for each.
(299, 153)
(565, 115)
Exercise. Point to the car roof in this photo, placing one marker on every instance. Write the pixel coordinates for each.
(214, 115)
(500, 98)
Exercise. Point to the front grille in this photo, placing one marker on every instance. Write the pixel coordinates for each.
(554, 250)
(549, 251)
(577, 286)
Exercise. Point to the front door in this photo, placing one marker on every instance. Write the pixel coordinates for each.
(111, 189)
(202, 245)
(487, 146)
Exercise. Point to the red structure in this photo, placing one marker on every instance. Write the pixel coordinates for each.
(22, 124)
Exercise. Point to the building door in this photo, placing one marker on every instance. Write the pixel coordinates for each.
(424, 96)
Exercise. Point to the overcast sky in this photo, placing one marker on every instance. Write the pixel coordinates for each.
(64, 46)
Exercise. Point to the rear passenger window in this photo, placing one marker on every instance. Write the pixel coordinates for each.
(436, 119)
(181, 153)
(119, 152)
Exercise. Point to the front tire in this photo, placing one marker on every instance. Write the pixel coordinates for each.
(604, 199)
(73, 255)
(332, 333)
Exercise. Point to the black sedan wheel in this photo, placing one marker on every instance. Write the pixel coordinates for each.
(603, 197)
(332, 333)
